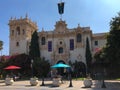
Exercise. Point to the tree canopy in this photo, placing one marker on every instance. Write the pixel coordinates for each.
(112, 49)
(34, 46)
(113, 41)
(21, 60)
(88, 56)
(41, 67)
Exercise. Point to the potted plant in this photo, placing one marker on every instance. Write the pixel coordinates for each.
(56, 80)
(34, 81)
(87, 82)
(9, 81)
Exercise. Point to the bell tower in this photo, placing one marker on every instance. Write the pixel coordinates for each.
(20, 35)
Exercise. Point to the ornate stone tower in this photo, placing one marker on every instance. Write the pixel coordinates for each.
(20, 35)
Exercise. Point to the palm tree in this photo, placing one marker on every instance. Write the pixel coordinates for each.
(1, 45)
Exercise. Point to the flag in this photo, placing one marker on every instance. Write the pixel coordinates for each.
(61, 7)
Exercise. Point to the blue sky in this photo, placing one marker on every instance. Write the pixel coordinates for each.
(94, 13)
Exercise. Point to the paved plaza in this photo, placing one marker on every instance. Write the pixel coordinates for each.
(77, 85)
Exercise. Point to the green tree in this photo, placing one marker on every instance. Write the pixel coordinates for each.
(41, 67)
(21, 60)
(97, 56)
(88, 56)
(100, 62)
(112, 50)
(34, 46)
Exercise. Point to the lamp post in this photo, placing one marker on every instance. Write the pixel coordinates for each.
(103, 65)
(70, 85)
(70, 78)
(32, 66)
(43, 76)
(103, 82)
(42, 82)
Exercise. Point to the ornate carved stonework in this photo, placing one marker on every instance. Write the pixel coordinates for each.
(61, 27)
(79, 57)
(79, 29)
(60, 38)
(21, 31)
(60, 56)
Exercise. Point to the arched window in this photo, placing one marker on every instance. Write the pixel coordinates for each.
(43, 41)
(79, 37)
(60, 50)
(18, 30)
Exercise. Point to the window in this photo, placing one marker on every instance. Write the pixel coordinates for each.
(43, 40)
(17, 43)
(71, 44)
(23, 31)
(79, 38)
(18, 30)
(60, 50)
(96, 43)
(60, 42)
(49, 46)
(12, 33)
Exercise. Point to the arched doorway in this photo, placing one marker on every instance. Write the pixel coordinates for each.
(61, 71)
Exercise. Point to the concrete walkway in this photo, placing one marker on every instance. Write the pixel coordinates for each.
(77, 85)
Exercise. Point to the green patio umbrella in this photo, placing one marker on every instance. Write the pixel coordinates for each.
(60, 65)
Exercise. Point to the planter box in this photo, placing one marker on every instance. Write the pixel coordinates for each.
(87, 83)
(9, 81)
(56, 82)
(33, 81)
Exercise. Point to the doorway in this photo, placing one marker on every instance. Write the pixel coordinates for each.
(61, 71)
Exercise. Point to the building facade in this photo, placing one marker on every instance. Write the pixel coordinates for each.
(59, 45)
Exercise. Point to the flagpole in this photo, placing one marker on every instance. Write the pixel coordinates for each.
(61, 17)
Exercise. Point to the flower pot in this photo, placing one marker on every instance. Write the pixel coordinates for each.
(56, 82)
(87, 83)
(9, 81)
(33, 81)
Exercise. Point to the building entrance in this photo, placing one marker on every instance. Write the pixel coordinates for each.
(61, 71)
